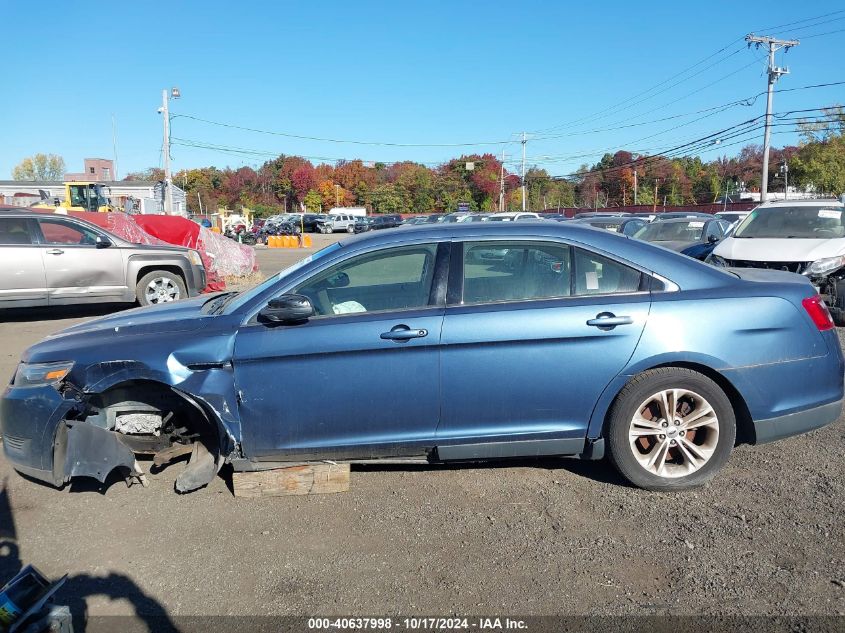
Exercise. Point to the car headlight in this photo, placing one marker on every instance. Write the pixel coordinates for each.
(40, 374)
(194, 258)
(715, 260)
(825, 265)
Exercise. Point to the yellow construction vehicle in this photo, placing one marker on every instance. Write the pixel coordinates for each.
(79, 196)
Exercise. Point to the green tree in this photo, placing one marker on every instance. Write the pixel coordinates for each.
(313, 201)
(821, 166)
(388, 198)
(40, 167)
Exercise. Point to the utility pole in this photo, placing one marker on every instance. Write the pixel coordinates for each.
(784, 169)
(635, 187)
(114, 145)
(654, 205)
(168, 181)
(337, 195)
(775, 72)
(523, 172)
(502, 185)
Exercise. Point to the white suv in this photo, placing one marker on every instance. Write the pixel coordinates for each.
(801, 236)
(337, 222)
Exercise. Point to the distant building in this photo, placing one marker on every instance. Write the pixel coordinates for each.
(96, 169)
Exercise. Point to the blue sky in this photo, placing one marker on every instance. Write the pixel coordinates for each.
(410, 73)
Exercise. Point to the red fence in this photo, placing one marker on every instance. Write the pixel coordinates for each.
(647, 208)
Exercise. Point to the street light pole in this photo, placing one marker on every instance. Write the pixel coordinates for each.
(523, 172)
(168, 182)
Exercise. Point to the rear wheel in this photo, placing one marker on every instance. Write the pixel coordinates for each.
(160, 286)
(350, 228)
(670, 429)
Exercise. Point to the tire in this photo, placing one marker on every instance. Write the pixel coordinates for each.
(329, 230)
(160, 286)
(350, 228)
(681, 457)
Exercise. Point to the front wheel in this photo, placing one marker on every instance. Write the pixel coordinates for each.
(670, 429)
(160, 286)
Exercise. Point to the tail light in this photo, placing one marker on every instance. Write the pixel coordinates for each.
(818, 312)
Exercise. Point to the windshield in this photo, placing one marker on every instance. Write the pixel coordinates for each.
(671, 231)
(805, 222)
(247, 295)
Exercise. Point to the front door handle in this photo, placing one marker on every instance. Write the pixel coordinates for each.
(608, 321)
(55, 251)
(403, 333)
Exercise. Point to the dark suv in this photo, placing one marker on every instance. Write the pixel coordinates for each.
(386, 221)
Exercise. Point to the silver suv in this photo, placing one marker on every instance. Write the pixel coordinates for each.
(49, 259)
(337, 222)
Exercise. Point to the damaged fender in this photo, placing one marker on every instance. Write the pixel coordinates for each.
(91, 451)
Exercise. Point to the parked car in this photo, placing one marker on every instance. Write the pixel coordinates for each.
(49, 259)
(311, 222)
(693, 237)
(734, 217)
(611, 347)
(475, 217)
(433, 218)
(337, 222)
(621, 224)
(512, 216)
(599, 214)
(556, 217)
(805, 237)
(418, 219)
(362, 225)
(672, 215)
(388, 221)
(457, 216)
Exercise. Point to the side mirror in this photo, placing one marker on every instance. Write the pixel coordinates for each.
(288, 309)
(712, 239)
(102, 242)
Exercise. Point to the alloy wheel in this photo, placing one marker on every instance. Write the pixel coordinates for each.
(162, 290)
(674, 433)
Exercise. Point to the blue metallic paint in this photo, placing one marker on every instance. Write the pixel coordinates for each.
(511, 371)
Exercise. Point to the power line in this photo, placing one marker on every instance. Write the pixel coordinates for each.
(335, 140)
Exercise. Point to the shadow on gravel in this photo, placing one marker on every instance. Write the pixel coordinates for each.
(24, 315)
(80, 586)
(601, 471)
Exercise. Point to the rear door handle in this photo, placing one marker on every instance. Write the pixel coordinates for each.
(608, 321)
(55, 251)
(403, 333)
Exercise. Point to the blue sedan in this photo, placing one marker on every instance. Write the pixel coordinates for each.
(440, 343)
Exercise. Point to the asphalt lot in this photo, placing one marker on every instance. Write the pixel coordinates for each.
(528, 538)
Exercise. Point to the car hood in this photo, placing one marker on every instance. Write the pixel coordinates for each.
(779, 249)
(675, 245)
(179, 316)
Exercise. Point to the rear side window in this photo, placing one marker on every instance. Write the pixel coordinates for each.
(14, 231)
(515, 271)
(597, 275)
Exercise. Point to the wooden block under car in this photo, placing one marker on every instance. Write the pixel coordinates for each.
(308, 479)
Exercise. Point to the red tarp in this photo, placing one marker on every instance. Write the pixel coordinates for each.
(220, 255)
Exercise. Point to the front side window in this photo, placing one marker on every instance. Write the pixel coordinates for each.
(14, 231)
(391, 279)
(63, 232)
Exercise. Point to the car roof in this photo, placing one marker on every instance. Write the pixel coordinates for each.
(815, 202)
(688, 219)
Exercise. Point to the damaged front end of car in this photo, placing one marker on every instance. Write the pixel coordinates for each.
(59, 424)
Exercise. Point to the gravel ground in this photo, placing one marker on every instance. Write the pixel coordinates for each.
(528, 538)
